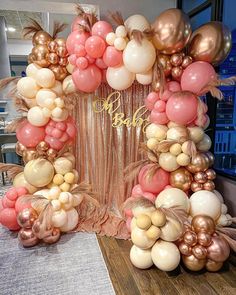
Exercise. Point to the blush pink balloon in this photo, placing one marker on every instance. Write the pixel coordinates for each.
(1, 205)
(82, 63)
(166, 95)
(79, 50)
(95, 46)
(22, 203)
(160, 106)
(72, 59)
(137, 190)
(54, 143)
(174, 86)
(182, 107)
(151, 99)
(74, 39)
(158, 181)
(112, 57)
(8, 219)
(150, 196)
(87, 80)
(90, 59)
(30, 135)
(101, 29)
(158, 117)
(196, 76)
(100, 64)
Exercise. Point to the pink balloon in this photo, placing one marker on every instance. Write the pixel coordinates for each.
(150, 100)
(8, 203)
(90, 59)
(8, 219)
(82, 63)
(54, 143)
(112, 57)
(158, 117)
(182, 107)
(22, 204)
(95, 46)
(72, 59)
(137, 190)
(150, 196)
(100, 64)
(30, 135)
(160, 106)
(101, 29)
(74, 39)
(174, 86)
(71, 130)
(196, 76)
(166, 95)
(1, 205)
(87, 80)
(79, 50)
(158, 181)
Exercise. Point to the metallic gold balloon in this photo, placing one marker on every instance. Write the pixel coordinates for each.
(29, 154)
(209, 185)
(211, 174)
(59, 72)
(164, 61)
(187, 60)
(31, 58)
(219, 249)
(210, 157)
(27, 238)
(192, 263)
(42, 146)
(53, 237)
(172, 31)
(204, 239)
(41, 38)
(53, 58)
(63, 61)
(190, 238)
(185, 249)
(27, 217)
(181, 178)
(20, 148)
(40, 53)
(199, 252)
(200, 162)
(176, 73)
(211, 43)
(176, 59)
(60, 42)
(61, 51)
(213, 265)
(203, 223)
(200, 177)
(51, 153)
(52, 46)
(195, 187)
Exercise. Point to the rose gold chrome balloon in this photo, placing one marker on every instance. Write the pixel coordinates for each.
(211, 174)
(213, 265)
(172, 31)
(200, 162)
(181, 178)
(176, 73)
(219, 249)
(51, 153)
(185, 249)
(211, 158)
(164, 61)
(195, 187)
(190, 238)
(20, 148)
(27, 217)
(59, 72)
(199, 252)
(53, 58)
(204, 239)
(42, 146)
(27, 238)
(29, 154)
(200, 177)
(211, 43)
(40, 53)
(52, 46)
(53, 237)
(176, 59)
(192, 263)
(203, 223)
(209, 185)
(187, 60)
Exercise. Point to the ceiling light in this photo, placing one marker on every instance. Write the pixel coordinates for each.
(10, 29)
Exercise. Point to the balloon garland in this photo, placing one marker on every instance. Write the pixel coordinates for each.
(174, 211)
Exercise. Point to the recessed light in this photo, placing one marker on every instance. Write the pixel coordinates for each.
(10, 29)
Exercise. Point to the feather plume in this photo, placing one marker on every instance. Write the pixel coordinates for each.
(11, 127)
(229, 234)
(139, 35)
(6, 81)
(85, 190)
(20, 104)
(151, 171)
(158, 78)
(58, 28)
(11, 169)
(32, 28)
(116, 18)
(138, 201)
(132, 170)
(191, 147)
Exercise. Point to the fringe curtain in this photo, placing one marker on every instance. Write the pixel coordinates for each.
(102, 151)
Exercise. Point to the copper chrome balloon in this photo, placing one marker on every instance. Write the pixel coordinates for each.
(203, 223)
(27, 238)
(213, 265)
(219, 249)
(192, 263)
(181, 178)
(53, 237)
(27, 217)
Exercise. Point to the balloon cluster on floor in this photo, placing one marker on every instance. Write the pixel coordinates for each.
(174, 211)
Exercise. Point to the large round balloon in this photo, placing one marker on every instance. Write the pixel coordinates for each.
(120, 78)
(211, 43)
(172, 31)
(137, 22)
(141, 258)
(87, 80)
(30, 135)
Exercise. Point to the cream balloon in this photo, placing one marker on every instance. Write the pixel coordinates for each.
(141, 258)
(205, 144)
(27, 87)
(222, 220)
(72, 220)
(140, 239)
(224, 209)
(32, 70)
(137, 22)
(110, 38)
(165, 255)
(168, 162)
(45, 98)
(36, 116)
(59, 218)
(133, 223)
(119, 78)
(45, 78)
(68, 85)
(70, 68)
(31, 102)
(145, 78)
(196, 133)
(59, 114)
(63, 165)
(120, 43)
(219, 196)
(172, 230)
(157, 131)
(57, 88)
(173, 197)
(173, 124)
(139, 58)
(205, 203)
(176, 133)
(70, 157)
(19, 181)
(152, 143)
(143, 210)
(121, 31)
(176, 149)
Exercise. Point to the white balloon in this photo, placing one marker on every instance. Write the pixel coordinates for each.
(32, 70)
(120, 43)
(45, 78)
(140, 239)
(165, 255)
(63, 165)
(222, 220)
(139, 58)
(145, 78)
(110, 38)
(68, 85)
(176, 133)
(172, 230)
(157, 131)
(59, 218)
(137, 22)
(205, 203)
(121, 31)
(219, 196)
(72, 220)
(44, 96)
(119, 78)
(141, 258)
(172, 197)
(229, 217)
(27, 87)
(59, 114)
(36, 117)
(205, 144)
